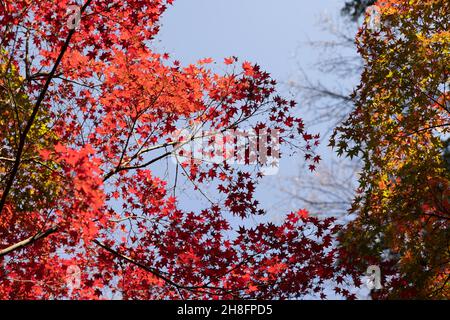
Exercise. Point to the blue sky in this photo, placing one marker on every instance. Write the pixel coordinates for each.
(263, 31)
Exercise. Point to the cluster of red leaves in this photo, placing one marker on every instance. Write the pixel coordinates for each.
(267, 261)
(115, 106)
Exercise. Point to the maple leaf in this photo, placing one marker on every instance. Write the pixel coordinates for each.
(303, 214)
(248, 69)
(230, 60)
(205, 61)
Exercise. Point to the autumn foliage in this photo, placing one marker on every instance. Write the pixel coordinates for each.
(90, 113)
(86, 114)
(398, 126)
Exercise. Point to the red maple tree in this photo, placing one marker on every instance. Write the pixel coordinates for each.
(76, 182)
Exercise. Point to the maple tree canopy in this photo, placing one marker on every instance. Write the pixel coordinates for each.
(400, 119)
(86, 113)
(90, 112)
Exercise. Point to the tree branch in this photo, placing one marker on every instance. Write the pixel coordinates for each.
(28, 241)
(156, 273)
